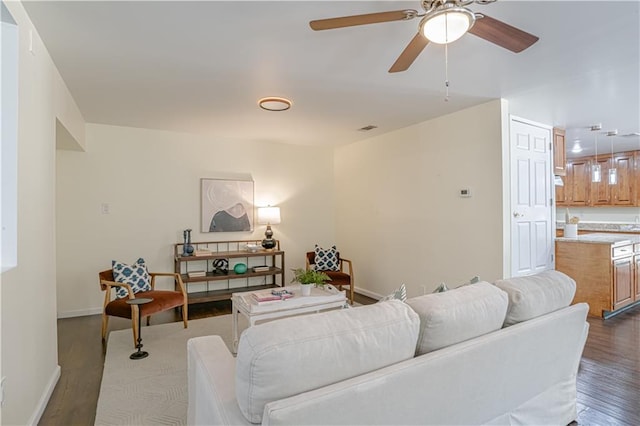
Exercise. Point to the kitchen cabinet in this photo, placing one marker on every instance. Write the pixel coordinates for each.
(623, 285)
(636, 274)
(624, 192)
(578, 190)
(561, 198)
(601, 191)
(559, 152)
(606, 268)
(636, 178)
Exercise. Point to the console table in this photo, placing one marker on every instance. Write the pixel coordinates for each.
(206, 283)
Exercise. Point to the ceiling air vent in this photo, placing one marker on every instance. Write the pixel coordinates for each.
(367, 128)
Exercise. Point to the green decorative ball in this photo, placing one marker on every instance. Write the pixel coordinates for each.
(240, 268)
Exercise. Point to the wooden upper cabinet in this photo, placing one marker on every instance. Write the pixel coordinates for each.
(559, 152)
(601, 191)
(636, 180)
(578, 190)
(576, 187)
(624, 192)
(561, 193)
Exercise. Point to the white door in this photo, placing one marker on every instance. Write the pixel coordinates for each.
(532, 230)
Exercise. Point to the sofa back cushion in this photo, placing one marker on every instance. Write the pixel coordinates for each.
(457, 315)
(285, 357)
(536, 295)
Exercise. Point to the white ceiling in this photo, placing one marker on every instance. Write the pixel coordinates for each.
(199, 67)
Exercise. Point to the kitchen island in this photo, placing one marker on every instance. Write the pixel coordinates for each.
(606, 268)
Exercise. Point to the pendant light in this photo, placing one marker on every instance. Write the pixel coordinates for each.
(613, 172)
(596, 171)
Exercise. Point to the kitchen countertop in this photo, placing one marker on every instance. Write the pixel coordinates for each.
(615, 239)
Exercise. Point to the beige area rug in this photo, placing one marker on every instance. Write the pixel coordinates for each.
(153, 390)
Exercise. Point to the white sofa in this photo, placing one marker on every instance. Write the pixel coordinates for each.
(503, 353)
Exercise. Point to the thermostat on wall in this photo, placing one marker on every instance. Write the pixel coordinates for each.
(465, 192)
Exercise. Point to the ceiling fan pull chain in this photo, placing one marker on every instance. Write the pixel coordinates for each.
(446, 62)
(446, 73)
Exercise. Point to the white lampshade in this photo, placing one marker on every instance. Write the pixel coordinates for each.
(447, 25)
(268, 215)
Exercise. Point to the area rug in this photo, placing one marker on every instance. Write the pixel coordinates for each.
(152, 390)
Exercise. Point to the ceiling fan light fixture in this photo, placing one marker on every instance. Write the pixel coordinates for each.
(447, 25)
(274, 104)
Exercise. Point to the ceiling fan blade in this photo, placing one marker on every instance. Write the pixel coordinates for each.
(369, 18)
(504, 35)
(410, 53)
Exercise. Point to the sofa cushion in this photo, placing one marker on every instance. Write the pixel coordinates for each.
(460, 314)
(292, 355)
(536, 295)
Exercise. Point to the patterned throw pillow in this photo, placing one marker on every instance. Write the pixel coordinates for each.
(136, 275)
(326, 259)
(441, 288)
(398, 294)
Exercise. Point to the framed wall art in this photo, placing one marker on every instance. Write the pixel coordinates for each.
(227, 205)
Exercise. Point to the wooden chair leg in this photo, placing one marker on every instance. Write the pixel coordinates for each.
(148, 320)
(351, 293)
(185, 314)
(105, 324)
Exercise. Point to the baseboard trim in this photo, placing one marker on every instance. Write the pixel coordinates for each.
(44, 399)
(79, 313)
(368, 293)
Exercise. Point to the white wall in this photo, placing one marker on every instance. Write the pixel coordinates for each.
(602, 214)
(29, 344)
(151, 181)
(398, 213)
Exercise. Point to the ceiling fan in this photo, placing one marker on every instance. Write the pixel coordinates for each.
(443, 21)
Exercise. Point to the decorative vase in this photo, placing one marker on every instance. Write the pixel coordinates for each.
(306, 289)
(187, 248)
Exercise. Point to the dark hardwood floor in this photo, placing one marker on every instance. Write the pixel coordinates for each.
(608, 378)
(609, 373)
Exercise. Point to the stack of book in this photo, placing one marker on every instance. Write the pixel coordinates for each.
(194, 274)
(260, 268)
(271, 296)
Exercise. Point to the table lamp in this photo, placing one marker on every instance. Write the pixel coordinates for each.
(268, 216)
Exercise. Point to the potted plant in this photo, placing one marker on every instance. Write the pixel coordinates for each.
(309, 278)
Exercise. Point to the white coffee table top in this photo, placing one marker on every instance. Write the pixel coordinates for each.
(319, 296)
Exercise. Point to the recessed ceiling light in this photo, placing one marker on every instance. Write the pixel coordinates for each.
(576, 147)
(274, 104)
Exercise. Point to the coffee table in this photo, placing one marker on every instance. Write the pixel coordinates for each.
(320, 299)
